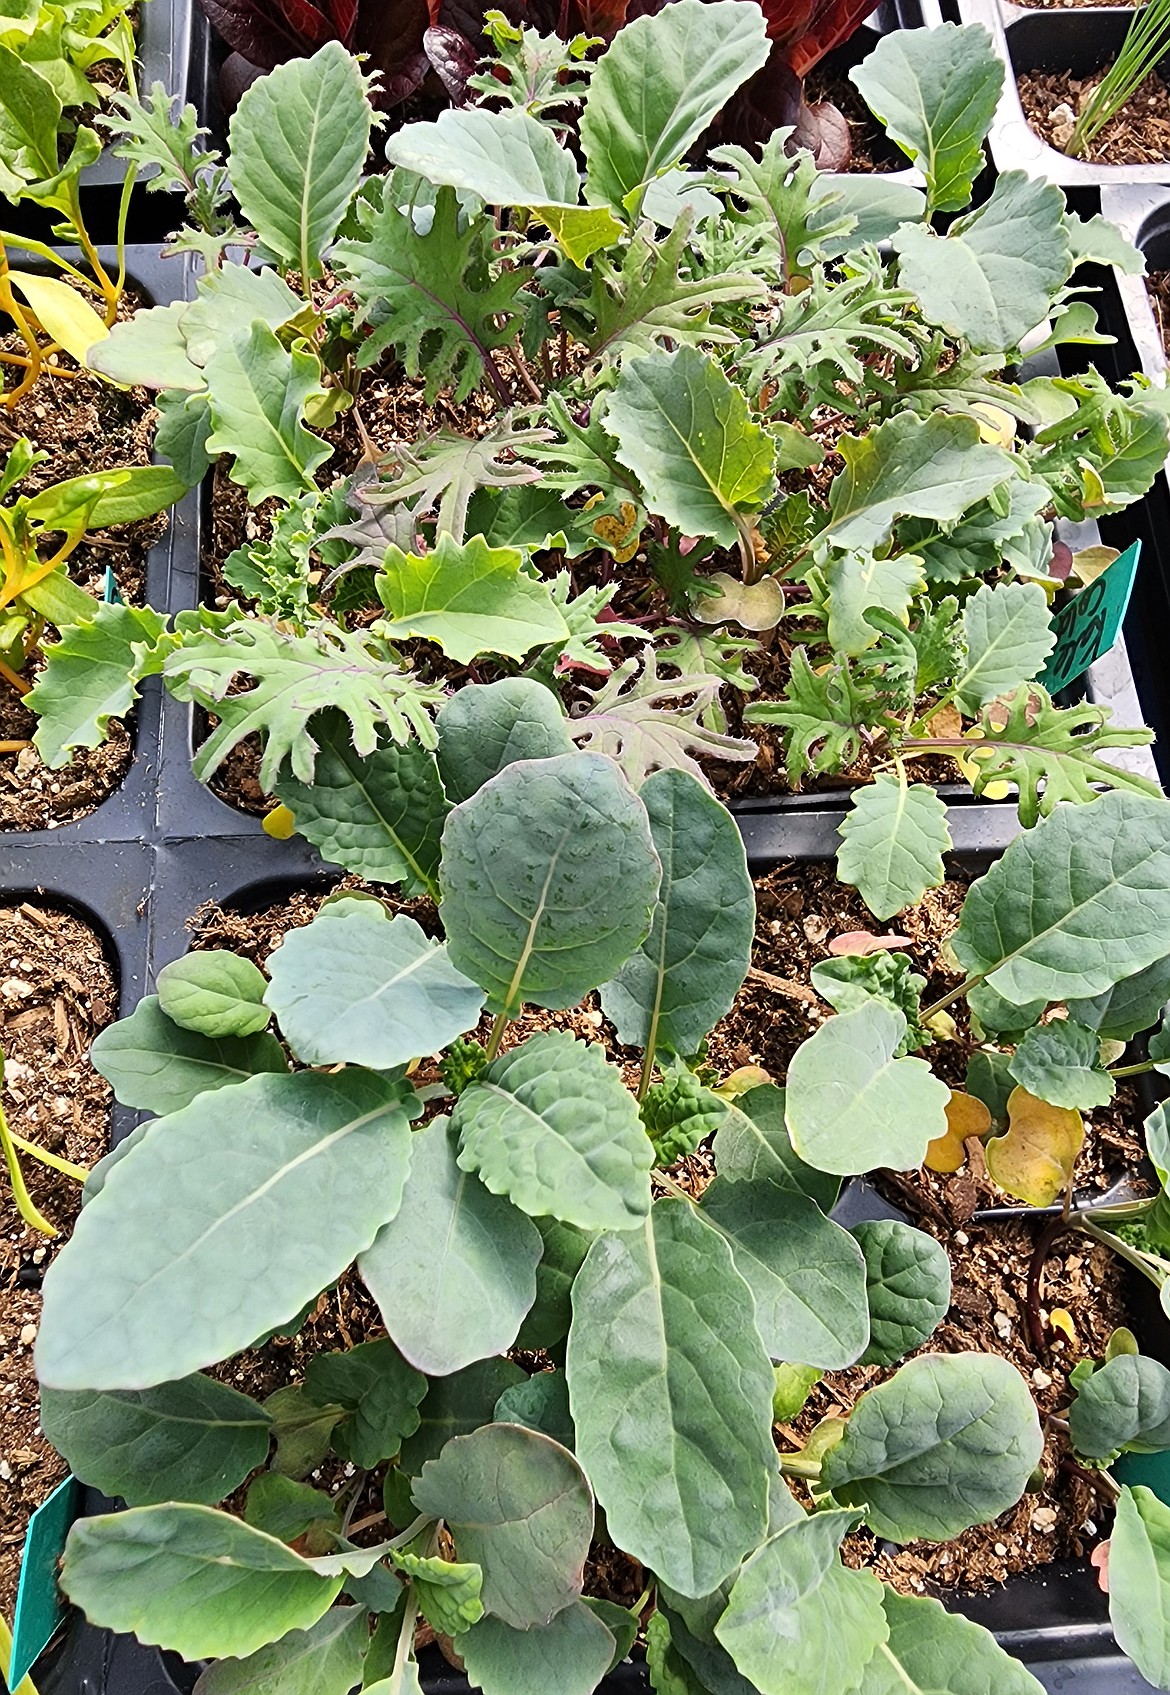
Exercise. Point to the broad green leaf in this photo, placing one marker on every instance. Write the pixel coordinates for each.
(454, 1272)
(286, 1509)
(518, 1505)
(455, 1406)
(1009, 636)
(1139, 1582)
(92, 674)
(850, 980)
(258, 394)
(379, 815)
(232, 296)
(850, 1105)
(686, 975)
(892, 841)
(448, 1593)
(1060, 1063)
(753, 1142)
(1035, 1159)
(1129, 1006)
(542, 1403)
(381, 1395)
(688, 434)
(29, 117)
(552, 1125)
(184, 424)
(671, 1394)
(564, 1253)
(189, 1441)
(698, 1663)
(1157, 1129)
(806, 1274)
(358, 987)
(549, 878)
(656, 89)
(581, 231)
(858, 582)
(908, 1286)
(1097, 241)
(571, 1654)
(949, 1441)
(326, 1659)
(301, 1429)
(298, 142)
(150, 349)
(154, 1063)
(215, 994)
(931, 1651)
(264, 1205)
(995, 274)
(1125, 1403)
(934, 467)
(798, 1622)
(936, 92)
(469, 599)
(989, 1080)
(507, 158)
(1074, 905)
(191, 1579)
(873, 205)
(486, 726)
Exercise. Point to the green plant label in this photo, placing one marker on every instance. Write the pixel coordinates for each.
(40, 1605)
(1088, 626)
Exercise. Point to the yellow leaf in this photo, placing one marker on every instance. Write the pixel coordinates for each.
(279, 824)
(323, 408)
(1060, 1319)
(942, 1025)
(1034, 1161)
(622, 531)
(580, 230)
(64, 314)
(1088, 564)
(968, 764)
(995, 425)
(966, 1116)
(738, 1082)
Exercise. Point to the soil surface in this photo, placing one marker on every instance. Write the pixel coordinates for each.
(57, 990)
(800, 910)
(870, 149)
(85, 425)
(1138, 135)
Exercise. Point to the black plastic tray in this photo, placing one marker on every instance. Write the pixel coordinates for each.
(171, 46)
(1077, 39)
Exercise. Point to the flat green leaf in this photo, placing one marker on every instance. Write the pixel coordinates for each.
(381, 1395)
(469, 599)
(1074, 905)
(358, 987)
(265, 1204)
(549, 878)
(697, 1663)
(753, 1142)
(149, 348)
(1125, 1403)
(850, 1105)
(798, 1622)
(908, 1287)
(286, 1509)
(455, 1406)
(31, 114)
(258, 394)
(191, 1579)
(571, 1654)
(1097, 241)
(448, 1593)
(806, 1274)
(686, 975)
(671, 1394)
(229, 297)
(1009, 636)
(379, 815)
(995, 274)
(92, 674)
(518, 1505)
(298, 142)
(850, 980)
(656, 89)
(1061, 1063)
(542, 1403)
(858, 582)
(215, 993)
(688, 434)
(507, 158)
(302, 1430)
(194, 1440)
(564, 1253)
(949, 1441)
(454, 1272)
(552, 1125)
(936, 92)
(910, 467)
(892, 841)
(326, 1659)
(931, 1651)
(1129, 1006)
(154, 1063)
(486, 726)
(1139, 1582)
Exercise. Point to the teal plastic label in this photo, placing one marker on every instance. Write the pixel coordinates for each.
(1089, 625)
(40, 1605)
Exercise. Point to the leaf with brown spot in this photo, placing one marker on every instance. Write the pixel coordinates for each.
(966, 1116)
(1034, 1161)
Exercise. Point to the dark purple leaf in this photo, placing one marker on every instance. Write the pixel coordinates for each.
(823, 130)
(236, 76)
(256, 29)
(391, 32)
(453, 58)
(770, 100)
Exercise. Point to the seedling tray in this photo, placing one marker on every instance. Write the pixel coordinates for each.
(171, 47)
(1079, 40)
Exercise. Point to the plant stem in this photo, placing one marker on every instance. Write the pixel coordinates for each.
(79, 1173)
(1131, 1070)
(1148, 1264)
(497, 1034)
(14, 678)
(955, 994)
(794, 1466)
(647, 1070)
(24, 1201)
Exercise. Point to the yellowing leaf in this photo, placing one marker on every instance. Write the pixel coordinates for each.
(1089, 562)
(966, 1116)
(1060, 1319)
(968, 764)
(64, 314)
(995, 425)
(942, 1025)
(754, 606)
(279, 824)
(1034, 1161)
(323, 408)
(621, 531)
(738, 1082)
